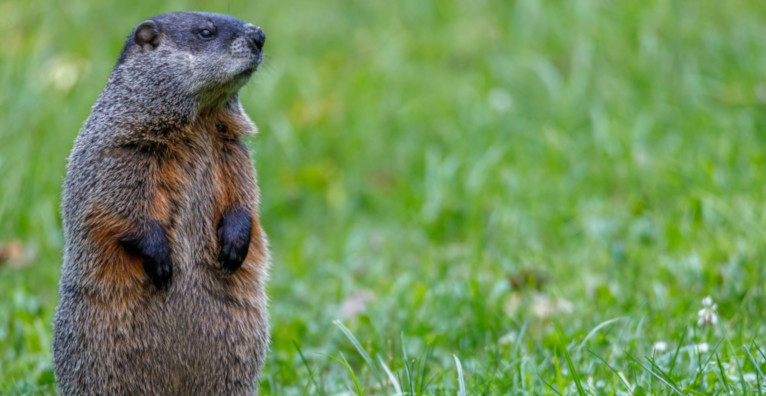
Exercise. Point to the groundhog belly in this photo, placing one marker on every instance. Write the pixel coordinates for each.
(198, 337)
(198, 321)
(168, 344)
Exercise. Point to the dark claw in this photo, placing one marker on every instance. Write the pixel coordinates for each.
(159, 272)
(234, 236)
(151, 244)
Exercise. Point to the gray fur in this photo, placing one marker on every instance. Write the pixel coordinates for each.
(170, 109)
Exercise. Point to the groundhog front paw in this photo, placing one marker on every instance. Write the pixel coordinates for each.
(234, 237)
(160, 271)
(151, 244)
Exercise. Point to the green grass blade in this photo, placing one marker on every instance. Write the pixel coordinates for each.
(345, 364)
(358, 348)
(722, 372)
(599, 327)
(741, 373)
(575, 375)
(461, 381)
(758, 369)
(391, 377)
(678, 349)
(659, 377)
(615, 371)
(406, 365)
(306, 364)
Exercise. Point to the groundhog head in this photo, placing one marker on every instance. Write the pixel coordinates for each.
(205, 56)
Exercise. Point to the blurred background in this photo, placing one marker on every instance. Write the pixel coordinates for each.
(542, 191)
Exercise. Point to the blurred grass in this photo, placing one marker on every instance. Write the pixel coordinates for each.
(473, 173)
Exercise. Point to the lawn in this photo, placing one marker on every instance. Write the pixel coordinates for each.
(462, 197)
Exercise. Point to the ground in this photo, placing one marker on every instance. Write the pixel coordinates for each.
(462, 197)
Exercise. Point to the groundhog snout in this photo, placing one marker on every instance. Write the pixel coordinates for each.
(255, 36)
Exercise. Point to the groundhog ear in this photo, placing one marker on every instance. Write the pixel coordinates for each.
(147, 32)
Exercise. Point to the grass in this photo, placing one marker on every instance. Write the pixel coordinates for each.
(490, 197)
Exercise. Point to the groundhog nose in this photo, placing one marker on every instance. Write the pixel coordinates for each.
(256, 35)
(260, 38)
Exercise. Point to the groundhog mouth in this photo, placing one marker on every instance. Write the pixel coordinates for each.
(247, 73)
(251, 68)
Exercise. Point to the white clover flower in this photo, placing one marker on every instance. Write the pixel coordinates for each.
(709, 313)
(660, 346)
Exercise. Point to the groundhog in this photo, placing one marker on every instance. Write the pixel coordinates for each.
(162, 286)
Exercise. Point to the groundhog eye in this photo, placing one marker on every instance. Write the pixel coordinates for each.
(206, 34)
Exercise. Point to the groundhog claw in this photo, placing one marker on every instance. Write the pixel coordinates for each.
(159, 272)
(234, 237)
(151, 244)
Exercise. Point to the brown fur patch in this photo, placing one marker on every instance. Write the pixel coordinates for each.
(115, 268)
(233, 181)
(168, 186)
(234, 186)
